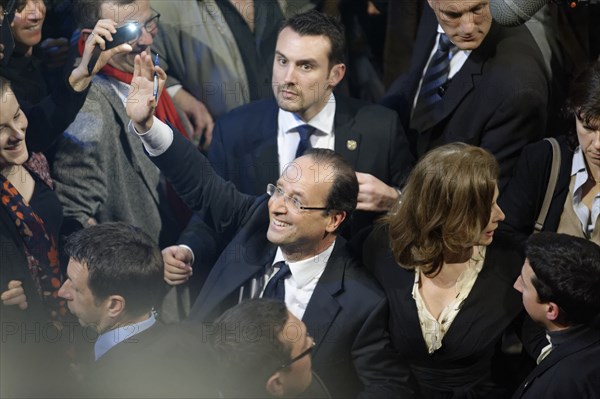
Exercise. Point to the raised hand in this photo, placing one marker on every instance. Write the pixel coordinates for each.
(102, 32)
(140, 101)
(374, 195)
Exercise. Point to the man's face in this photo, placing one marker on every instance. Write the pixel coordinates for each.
(531, 301)
(302, 234)
(27, 25)
(80, 299)
(465, 22)
(137, 11)
(298, 375)
(302, 77)
(588, 135)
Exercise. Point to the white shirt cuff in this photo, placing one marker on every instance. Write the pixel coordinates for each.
(190, 249)
(156, 140)
(173, 90)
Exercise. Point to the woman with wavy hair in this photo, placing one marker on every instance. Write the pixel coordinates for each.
(450, 292)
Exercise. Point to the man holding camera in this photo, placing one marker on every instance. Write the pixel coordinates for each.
(101, 173)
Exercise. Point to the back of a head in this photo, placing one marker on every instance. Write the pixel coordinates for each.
(245, 340)
(567, 272)
(121, 260)
(315, 23)
(445, 204)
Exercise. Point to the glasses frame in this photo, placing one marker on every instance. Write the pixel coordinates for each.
(153, 18)
(273, 190)
(306, 352)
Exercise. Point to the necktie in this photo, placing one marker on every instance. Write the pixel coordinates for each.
(435, 77)
(276, 286)
(305, 131)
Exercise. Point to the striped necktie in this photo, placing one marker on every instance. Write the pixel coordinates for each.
(305, 131)
(434, 79)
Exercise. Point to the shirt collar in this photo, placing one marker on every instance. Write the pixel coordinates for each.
(323, 121)
(305, 270)
(111, 338)
(437, 38)
(578, 169)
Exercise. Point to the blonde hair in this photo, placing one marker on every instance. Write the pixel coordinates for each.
(445, 205)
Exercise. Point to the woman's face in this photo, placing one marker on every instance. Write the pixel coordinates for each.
(13, 123)
(589, 142)
(496, 216)
(27, 25)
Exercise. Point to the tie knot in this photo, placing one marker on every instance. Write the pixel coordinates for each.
(444, 43)
(284, 270)
(305, 131)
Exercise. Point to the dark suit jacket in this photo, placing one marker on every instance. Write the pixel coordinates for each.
(160, 362)
(571, 370)
(498, 99)
(244, 146)
(463, 364)
(522, 198)
(347, 313)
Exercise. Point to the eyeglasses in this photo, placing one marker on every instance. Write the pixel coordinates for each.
(276, 192)
(307, 352)
(151, 25)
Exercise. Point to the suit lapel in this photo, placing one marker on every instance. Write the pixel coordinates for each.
(323, 307)
(347, 140)
(266, 157)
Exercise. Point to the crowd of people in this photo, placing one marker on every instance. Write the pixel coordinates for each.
(206, 210)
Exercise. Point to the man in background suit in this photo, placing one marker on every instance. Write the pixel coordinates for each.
(560, 284)
(283, 245)
(487, 85)
(114, 279)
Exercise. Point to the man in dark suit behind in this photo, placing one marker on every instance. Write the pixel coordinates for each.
(114, 279)
(560, 284)
(487, 85)
(283, 244)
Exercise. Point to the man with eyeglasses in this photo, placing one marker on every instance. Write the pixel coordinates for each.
(277, 246)
(101, 173)
(262, 349)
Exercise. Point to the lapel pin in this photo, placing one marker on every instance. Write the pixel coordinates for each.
(351, 145)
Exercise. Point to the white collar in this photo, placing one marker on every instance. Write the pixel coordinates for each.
(111, 338)
(305, 270)
(323, 121)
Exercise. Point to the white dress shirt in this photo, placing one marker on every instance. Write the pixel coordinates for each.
(110, 339)
(587, 218)
(288, 137)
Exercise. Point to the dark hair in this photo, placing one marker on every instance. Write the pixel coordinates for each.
(583, 101)
(121, 260)
(88, 12)
(446, 203)
(567, 272)
(344, 191)
(314, 23)
(247, 344)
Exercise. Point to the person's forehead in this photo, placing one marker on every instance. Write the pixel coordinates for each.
(459, 5)
(293, 44)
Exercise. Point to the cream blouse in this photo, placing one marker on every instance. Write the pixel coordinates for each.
(434, 329)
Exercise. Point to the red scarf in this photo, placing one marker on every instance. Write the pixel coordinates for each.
(165, 109)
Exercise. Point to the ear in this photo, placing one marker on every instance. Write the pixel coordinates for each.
(116, 306)
(335, 219)
(274, 385)
(552, 311)
(336, 74)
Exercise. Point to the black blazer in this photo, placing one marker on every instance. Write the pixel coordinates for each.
(463, 364)
(369, 137)
(522, 198)
(497, 100)
(347, 313)
(571, 370)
